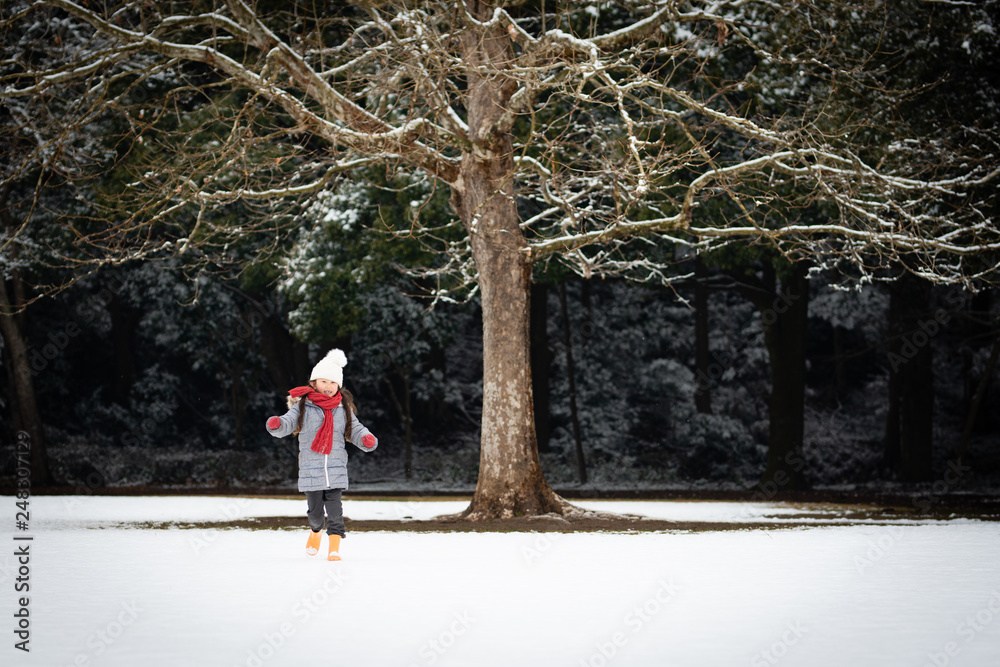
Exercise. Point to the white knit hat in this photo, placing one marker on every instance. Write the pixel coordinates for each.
(331, 367)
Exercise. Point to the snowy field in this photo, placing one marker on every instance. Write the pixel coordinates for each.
(105, 592)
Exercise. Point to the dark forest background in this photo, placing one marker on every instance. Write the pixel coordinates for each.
(148, 376)
(162, 371)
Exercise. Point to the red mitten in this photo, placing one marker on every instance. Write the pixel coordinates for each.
(368, 441)
(273, 423)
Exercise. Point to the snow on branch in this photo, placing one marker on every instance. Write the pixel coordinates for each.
(343, 122)
(882, 215)
(608, 140)
(287, 191)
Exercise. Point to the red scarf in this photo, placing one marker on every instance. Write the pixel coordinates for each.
(323, 442)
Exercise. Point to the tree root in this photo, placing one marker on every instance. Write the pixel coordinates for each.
(557, 509)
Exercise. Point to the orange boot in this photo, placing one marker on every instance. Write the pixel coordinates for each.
(334, 548)
(312, 545)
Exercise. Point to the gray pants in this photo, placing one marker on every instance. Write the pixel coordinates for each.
(329, 501)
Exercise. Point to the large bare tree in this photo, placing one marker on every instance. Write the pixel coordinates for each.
(615, 137)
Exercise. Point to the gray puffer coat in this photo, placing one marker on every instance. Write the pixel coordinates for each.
(318, 472)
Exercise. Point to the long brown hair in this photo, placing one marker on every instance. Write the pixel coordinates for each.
(347, 400)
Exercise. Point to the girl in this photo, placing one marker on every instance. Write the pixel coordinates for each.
(324, 417)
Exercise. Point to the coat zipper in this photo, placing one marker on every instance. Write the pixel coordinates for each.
(326, 469)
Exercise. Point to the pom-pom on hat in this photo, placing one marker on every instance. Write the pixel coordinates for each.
(330, 367)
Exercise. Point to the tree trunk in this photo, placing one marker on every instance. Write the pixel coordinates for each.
(510, 482)
(891, 444)
(581, 462)
(839, 361)
(588, 326)
(240, 394)
(910, 360)
(541, 359)
(264, 324)
(785, 334)
(123, 325)
(405, 410)
(287, 359)
(702, 358)
(979, 326)
(977, 400)
(23, 391)
(510, 474)
(917, 422)
(408, 407)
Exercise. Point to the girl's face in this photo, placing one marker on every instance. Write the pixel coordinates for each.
(327, 387)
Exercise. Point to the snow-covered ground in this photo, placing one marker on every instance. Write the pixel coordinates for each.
(104, 592)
